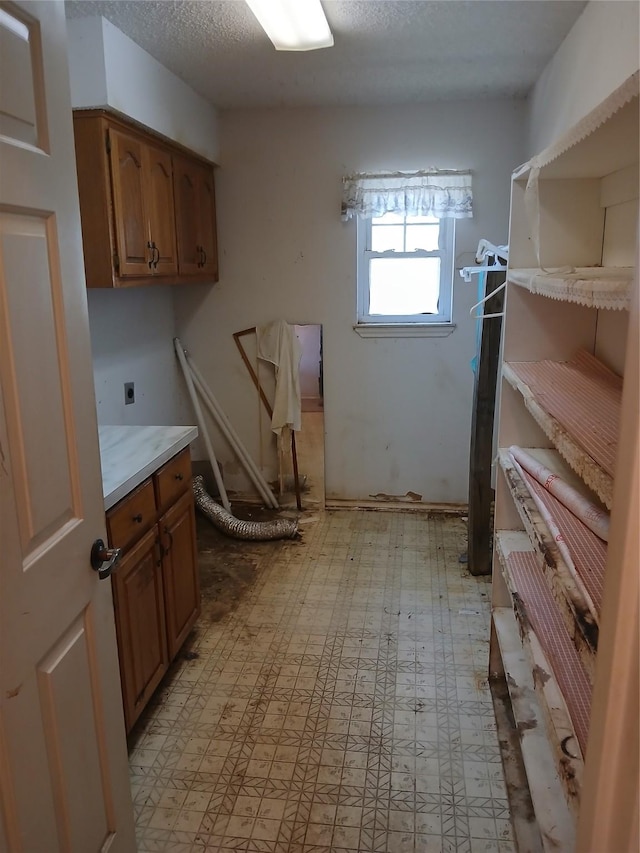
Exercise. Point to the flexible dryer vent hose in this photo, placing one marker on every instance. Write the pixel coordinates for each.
(281, 528)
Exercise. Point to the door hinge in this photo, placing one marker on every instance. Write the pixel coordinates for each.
(107, 142)
(116, 262)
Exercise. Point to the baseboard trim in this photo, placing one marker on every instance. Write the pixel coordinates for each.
(454, 509)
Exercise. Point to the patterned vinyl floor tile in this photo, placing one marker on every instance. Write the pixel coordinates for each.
(343, 706)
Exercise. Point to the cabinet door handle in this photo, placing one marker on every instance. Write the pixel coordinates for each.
(151, 246)
(137, 518)
(169, 534)
(179, 477)
(157, 257)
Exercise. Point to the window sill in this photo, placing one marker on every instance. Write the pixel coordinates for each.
(404, 330)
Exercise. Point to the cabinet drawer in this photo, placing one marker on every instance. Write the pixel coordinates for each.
(173, 479)
(132, 517)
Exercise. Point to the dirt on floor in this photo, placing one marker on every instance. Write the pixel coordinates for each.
(229, 567)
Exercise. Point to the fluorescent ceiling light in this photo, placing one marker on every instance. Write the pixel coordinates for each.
(293, 24)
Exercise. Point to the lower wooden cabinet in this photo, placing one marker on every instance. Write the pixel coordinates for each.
(156, 587)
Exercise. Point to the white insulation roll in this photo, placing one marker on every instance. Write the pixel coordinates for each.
(596, 519)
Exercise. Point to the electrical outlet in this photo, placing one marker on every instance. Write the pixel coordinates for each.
(129, 393)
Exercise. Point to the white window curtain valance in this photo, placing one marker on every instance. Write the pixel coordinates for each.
(440, 193)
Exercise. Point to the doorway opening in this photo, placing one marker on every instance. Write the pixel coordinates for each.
(310, 439)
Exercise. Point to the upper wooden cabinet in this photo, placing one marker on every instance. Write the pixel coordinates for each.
(147, 207)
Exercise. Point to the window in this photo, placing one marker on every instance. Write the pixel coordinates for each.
(405, 270)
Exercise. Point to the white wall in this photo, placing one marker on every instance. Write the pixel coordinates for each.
(600, 52)
(108, 69)
(397, 412)
(87, 66)
(132, 330)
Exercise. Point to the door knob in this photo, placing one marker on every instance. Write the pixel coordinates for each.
(103, 559)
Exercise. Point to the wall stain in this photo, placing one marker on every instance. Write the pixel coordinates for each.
(409, 496)
(540, 676)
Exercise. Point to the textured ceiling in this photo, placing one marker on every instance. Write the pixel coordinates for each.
(386, 51)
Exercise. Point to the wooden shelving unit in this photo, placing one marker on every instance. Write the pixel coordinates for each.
(571, 282)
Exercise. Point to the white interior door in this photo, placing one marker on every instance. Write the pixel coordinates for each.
(63, 763)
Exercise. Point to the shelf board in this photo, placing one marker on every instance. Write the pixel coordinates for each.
(549, 648)
(577, 405)
(581, 624)
(560, 682)
(557, 671)
(595, 287)
(588, 553)
(553, 817)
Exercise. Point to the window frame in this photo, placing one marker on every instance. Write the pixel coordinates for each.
(407, 323)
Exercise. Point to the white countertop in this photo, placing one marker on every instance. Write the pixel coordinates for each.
(130, 454)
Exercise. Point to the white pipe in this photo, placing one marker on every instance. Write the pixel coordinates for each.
(227, 430)
(201, 423)
(251, 469)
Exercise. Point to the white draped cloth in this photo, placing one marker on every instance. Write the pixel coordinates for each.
(279, 344)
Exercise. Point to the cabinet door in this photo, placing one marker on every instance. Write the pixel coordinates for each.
(129, 182)
(159, 186)
(180, 571)
(140, 624)
(185, 187)
(195, 218)
(207, 237)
